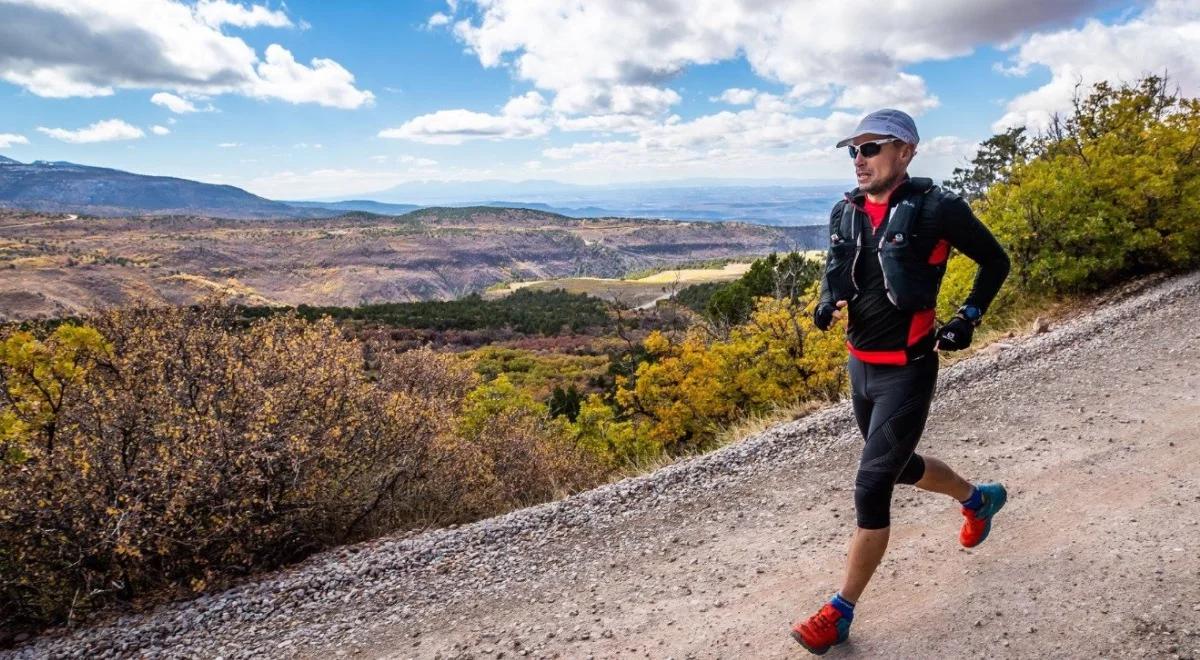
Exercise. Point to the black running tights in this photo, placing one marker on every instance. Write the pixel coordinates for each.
(891, 404)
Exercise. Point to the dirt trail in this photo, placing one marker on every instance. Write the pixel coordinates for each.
(1092, 426)
(1101, 457)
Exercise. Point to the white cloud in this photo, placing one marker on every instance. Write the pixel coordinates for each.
(520, 118)
(437, 20)
(326, 82)
(229, 145)
(308, 145)
(9, 139)
(108, 130)
(1164, 38)
(64, 48)
(817, 48)
(219, 12)
(176, 104)
(614, 99)
(907, 92)
(530, 104)
(160, 130)
(718, 140)
(608, 123)
(415, 161)
(736, 96)
(941, 154)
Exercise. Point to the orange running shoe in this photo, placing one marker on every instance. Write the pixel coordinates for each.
(822, 630)
(978, 523)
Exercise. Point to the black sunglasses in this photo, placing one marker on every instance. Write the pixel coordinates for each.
(870, 149)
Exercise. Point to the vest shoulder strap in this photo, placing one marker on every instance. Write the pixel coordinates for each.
(846, 222)
(917, 208)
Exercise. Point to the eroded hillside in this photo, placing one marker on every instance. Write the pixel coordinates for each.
(57, 265)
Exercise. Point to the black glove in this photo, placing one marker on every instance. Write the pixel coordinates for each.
(955, 335)
(823, 315)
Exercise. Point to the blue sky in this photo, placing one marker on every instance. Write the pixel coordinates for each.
(321, 99)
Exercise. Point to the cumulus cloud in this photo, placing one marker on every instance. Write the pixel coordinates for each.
(609, 66)
(9, 139)
(176, 104)
(736, 96)
(816, 48)
(326, 82)
(615, 99)
(614, 123)
(907, 92)
(159, 130)
(64, 48)
(1164, 38)
(716, 140)
(219, 12)
(530, 104)
(108, 130)
(520, 118)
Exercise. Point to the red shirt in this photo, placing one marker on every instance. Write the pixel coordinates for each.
(875, 212)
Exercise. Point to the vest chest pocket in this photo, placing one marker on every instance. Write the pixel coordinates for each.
(912, 282)
(839, 268)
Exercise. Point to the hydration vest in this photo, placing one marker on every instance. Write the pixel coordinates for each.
(903, 250)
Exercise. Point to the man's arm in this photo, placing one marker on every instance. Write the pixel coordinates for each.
(968, 235)
(827, 310)
(835, 219)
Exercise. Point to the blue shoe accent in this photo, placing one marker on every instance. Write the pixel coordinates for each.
(994, 497)
(843, 628)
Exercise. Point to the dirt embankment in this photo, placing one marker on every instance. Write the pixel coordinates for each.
(1093, 427)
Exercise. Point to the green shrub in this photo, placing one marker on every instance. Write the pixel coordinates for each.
(1110, 191)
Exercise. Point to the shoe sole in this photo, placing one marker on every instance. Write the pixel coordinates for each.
(815, 651)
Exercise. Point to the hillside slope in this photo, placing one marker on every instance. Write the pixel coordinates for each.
(62, 187)
(1093, 426)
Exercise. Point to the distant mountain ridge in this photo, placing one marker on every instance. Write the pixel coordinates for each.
(62, 187)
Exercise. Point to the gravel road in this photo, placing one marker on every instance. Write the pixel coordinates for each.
(1092, 426)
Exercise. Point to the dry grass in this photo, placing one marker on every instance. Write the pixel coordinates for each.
(696, 275)
(754, 424)
(231, 287)
(641, 291)
(1029, 320)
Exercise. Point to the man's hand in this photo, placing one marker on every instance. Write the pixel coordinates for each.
(955, 335)
(826, 314)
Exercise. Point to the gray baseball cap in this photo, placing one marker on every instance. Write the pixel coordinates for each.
(888, 121)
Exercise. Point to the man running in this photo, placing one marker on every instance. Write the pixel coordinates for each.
(889, 242)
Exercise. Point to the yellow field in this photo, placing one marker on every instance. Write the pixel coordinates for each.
(696, 275)
(640, 292)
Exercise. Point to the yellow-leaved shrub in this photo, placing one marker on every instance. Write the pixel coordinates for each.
(168, 448)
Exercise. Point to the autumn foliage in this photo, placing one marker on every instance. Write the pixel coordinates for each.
(154, 448)
(693, 386)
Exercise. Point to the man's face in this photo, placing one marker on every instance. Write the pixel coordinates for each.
(879, 173)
